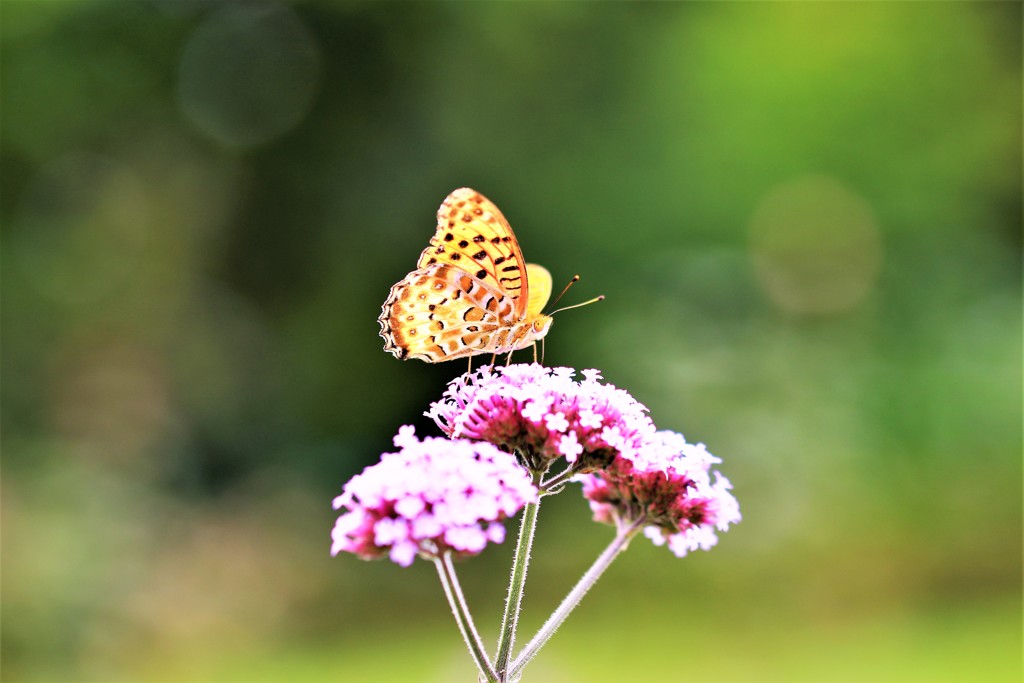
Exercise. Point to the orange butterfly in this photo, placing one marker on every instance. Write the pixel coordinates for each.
(471, 292)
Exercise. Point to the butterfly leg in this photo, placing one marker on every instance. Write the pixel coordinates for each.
(508, 361)
(494, 358)
(470, 359)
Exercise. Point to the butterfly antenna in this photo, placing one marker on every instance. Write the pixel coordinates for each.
(585, 303)
(574, 280)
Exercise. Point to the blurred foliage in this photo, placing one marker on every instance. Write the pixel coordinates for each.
(806, 218)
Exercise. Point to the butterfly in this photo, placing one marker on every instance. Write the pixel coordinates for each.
(471, 293)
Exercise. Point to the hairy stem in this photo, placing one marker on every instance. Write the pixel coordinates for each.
(453, 591)
(618, 544)
(517, 581)
(559, 479)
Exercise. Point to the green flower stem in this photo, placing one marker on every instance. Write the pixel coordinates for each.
(618, 544)
(559, 479)
(510, 620)
(452, 589)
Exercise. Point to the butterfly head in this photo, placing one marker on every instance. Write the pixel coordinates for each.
(540, 326)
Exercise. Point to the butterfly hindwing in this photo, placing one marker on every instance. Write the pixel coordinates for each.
(440, 313)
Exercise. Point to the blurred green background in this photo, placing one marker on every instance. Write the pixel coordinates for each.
(806, 218)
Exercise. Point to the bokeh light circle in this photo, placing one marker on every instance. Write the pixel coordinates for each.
(816, 246)
(249, 73)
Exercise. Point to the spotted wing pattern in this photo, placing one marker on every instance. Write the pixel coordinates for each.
(473, 235)
(440, 313)
(471, 291)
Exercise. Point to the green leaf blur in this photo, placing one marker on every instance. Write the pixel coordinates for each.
(806, 218)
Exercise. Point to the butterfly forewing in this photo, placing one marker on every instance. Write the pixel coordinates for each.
(473, 235)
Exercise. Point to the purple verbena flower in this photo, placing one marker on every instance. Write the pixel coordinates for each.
(668, 485)
(544, 414)
(430, 497)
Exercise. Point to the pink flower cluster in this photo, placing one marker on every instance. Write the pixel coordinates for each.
(545, 414)
(440, 495)
(430, 497)
(667, 486)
